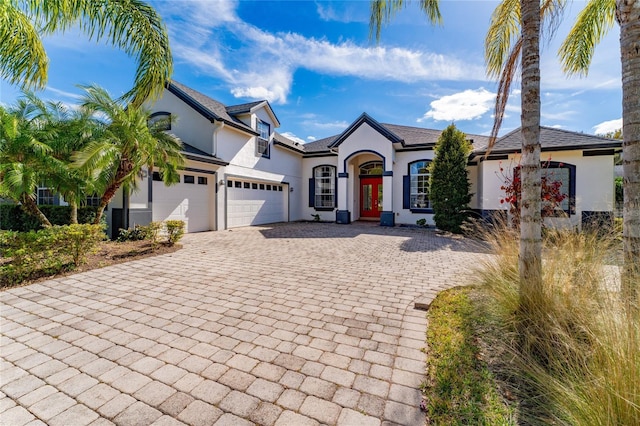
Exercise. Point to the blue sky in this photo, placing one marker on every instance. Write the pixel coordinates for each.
(315, 63)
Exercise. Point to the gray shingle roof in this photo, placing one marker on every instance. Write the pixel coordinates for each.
(551, 140)
(242, 108)
(190, 151)
(285, 141)
(320, 145)
(208, 107)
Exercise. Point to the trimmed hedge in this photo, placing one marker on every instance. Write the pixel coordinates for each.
(13, 218)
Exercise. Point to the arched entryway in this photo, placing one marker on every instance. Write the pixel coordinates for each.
(371, 189)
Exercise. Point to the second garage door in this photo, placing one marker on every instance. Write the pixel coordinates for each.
(256, 203)
(189, 200)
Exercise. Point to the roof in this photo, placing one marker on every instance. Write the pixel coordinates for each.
(206, 106)
(321, 145)
(193, 153)
(242, 108)
(551, 139)
(365, 118)
(279, 139)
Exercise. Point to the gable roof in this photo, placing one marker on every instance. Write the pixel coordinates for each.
(551, 139)
(321, 145)
(365, 118)
(206, 106)
(250, 107)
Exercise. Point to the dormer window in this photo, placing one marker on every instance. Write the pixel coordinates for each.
(160, 120)
(262, 141)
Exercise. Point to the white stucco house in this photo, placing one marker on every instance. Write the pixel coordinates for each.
(240, 171)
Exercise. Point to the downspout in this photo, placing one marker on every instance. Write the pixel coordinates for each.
(217, 126)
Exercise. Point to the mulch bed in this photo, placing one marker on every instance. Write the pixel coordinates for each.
(108, 253)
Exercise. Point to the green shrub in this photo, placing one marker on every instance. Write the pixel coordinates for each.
(14, 218)
(47, 251)
(175, 230)
(152, 231)
(137, 233)
(421, 223)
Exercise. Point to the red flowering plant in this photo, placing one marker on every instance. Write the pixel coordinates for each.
(551, 191)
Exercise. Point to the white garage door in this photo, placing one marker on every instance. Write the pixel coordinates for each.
(188, 200)
(256, 203)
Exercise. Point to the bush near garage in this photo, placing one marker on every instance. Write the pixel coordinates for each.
(14, 218)
(33, 254)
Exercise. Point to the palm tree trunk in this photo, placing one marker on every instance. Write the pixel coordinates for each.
(74, 212)
(104, 200)
(30, 206)
(628, 16)
(530, 261)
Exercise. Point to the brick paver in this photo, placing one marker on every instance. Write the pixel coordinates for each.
(289, 324)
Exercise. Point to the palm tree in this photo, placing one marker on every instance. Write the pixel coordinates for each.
(71, 130)
(128, 145)
(576, 53)
(24, 154)
(131, 25)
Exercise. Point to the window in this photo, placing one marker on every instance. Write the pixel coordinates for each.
(157, 176)
(416, 187)
(202, 180)
(374, 168)
(564, 173)
(324, 187)
(160, 120)
(279, 188)
(274, 188)
(262, 186)
(230, 183)
(262, 141)
(238, 184)
(189, 179)
(45, 196)
(268, 187)
(92, 200)
(246, 185)
(254, 186)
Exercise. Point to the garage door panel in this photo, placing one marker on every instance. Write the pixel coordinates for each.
(248, 206)
(189, 202)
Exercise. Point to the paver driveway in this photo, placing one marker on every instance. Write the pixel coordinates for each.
(293, 324)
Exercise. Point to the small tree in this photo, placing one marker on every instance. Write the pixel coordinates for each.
(449, 182)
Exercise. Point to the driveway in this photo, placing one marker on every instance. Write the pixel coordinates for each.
(293, 324)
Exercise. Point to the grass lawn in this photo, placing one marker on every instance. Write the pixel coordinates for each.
(460, 387)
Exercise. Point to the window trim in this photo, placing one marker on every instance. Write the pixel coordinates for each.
(52, 196)
(316, 192)
(160, 114)
(368, 163)
(261, 140)
(418, 209)
(571, 193)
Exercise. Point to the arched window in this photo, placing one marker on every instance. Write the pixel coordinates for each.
(322, 188)
(416, 186)
(372, 168)
(161, 120)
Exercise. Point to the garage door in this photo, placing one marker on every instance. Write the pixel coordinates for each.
(188, 200)
(256, 203)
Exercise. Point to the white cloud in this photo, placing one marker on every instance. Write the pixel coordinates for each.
(64, 94)
(311, 138)
(293, 137)
(268, 72)
(338, 125)
(607, 126)
(466, 105)
(339, 12)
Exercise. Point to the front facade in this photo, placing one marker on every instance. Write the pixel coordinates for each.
(241, 172)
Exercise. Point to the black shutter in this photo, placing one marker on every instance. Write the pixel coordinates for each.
(312, 192)
(406, 192)
(335, 194)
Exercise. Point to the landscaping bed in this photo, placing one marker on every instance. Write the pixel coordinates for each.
(107, 253)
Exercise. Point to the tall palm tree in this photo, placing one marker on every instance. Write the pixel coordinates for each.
(576, 53)
(132, 25)
(129, 144)
(24, 154)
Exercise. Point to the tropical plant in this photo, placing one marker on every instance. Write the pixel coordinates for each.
(133, 26)
(129, 144)
(449, 181)
(24, 154)
(70, 130)
(175, 231)
(576, 53)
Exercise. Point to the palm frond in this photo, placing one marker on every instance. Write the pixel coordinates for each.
(23, 60)
(133, 26)
(382, 11)
(503, 33)
(592, 24)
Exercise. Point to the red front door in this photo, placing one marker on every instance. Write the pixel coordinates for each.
(370, 196)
